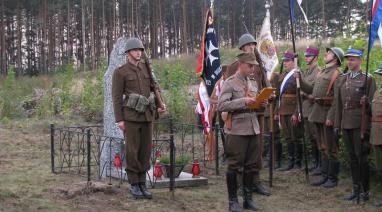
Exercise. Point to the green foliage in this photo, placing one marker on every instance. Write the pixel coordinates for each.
(10, 106)
(92, 96)
(176, 89)
(181, 159)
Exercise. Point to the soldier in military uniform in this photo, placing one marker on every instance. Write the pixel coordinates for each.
(237, 94)
(322, 115)
(134, 107)
(287, 113)
(247, 43)
(309, 76)
(376, 128)
(350, 89)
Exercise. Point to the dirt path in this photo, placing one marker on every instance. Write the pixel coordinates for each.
(26, 184)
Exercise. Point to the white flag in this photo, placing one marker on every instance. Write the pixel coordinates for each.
(303, 12)
(266, 47)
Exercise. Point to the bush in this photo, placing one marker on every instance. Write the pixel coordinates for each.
(182, 159)
(92, 96)
(10, 106)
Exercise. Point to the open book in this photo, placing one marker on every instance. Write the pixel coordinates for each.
(264, 94)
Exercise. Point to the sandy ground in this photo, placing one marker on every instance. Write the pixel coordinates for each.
(26, 184)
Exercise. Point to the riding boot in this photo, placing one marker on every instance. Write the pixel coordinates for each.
(279, 154)
(232, 192)
(334, 168)
(298, 156)
(324, 173)
(291, 158)
(248, 202)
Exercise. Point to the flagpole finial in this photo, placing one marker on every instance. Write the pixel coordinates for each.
(212, 4)
(267, 5)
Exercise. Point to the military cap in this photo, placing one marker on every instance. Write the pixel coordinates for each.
(246, 39)
(249, 58)
(288, 55)
(311, 52)
(379, 70)
(353, 52)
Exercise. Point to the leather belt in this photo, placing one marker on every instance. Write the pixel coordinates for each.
(376, 119)
(289, 95)
(351, 105)
(324, 101)
(244, 111)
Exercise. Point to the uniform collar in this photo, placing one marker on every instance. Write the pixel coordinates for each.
(240, 77)
(354, 74)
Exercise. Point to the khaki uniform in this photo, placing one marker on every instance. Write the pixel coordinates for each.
(349, 90)
(376, 128)
(241, 143)
(130, 79)
(286, 108)
(309, 76)
(323, 110)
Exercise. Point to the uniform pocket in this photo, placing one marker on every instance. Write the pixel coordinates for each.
(131, 81)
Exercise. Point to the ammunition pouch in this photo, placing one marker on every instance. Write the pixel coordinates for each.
(140, 103)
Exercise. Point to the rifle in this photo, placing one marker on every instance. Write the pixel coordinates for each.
(363, 108)
(271, 146)
(159, 102)
(299, 95)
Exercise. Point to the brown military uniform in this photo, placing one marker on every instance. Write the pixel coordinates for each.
(349, 91)
(309, 77)
(287, 107)
(129, 79)
(322, 91)
(376, 128)
(241, 143)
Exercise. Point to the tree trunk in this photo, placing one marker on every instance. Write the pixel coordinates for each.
(19, 56)
(323, 19)
(92, 37)
(69, 44)
(184, 37)
(83, 33)
(3, 70)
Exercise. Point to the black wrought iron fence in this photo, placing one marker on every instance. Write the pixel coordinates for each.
(79, 150)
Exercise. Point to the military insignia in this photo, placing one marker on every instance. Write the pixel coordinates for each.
(268, 48)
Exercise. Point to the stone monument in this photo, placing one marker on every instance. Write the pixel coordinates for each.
(110, 128)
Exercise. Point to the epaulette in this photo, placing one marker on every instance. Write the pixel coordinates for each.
(230, 78)
(368, 74)
(343, 74)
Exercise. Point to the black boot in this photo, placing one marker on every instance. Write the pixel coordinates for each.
(232, 192)
(316, 157)
(248, 203)
(258, 187)
(317, 171)
(290, 158)
(353, 195)
(135, 190)
(298, 156)
(144, 190)
(334, 168)
(279, 154)
(324, 173)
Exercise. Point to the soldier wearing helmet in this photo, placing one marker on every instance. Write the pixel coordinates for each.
(134, 108)
(322, 115)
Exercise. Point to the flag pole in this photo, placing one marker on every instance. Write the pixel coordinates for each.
(363, 115)
(299, 94)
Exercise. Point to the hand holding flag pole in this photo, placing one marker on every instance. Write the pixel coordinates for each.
(291, 16)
